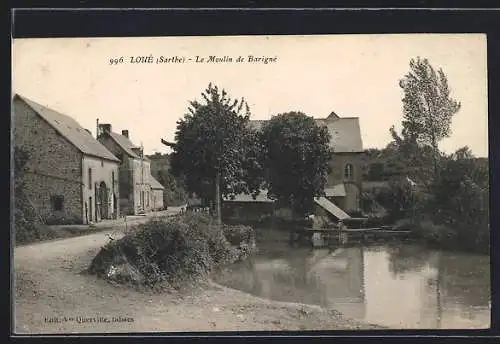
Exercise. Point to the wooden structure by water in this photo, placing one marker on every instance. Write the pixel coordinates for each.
(345, 236)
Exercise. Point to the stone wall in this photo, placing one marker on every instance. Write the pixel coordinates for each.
(141, 172)
(338, 163)
(133, 179)
(353, 186)
(103, 173)
(125, 175)
(53, 178)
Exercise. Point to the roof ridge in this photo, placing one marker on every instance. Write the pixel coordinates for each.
(128, 150)
(82, 132)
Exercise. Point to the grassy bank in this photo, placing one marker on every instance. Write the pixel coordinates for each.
(165, 254)
(50, 283)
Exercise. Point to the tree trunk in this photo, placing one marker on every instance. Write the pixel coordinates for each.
(217, 198)
(435, 157)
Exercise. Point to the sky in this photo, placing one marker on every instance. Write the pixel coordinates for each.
(352, 75)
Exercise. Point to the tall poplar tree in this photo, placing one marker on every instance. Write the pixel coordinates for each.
(428, 108)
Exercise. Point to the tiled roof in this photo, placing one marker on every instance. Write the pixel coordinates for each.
(71, 130)
(335, 191)
(155, 185)
(126, 145)
(345, 132)
(345, 135)
(261, 197)
(331, 208)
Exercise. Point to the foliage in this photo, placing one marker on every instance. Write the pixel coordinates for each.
(451, 200)
(427, 113)
(214, 138)
(26, 225)
(427, 108)
(295, 157)
(413, 160)
(238, 234)
(174, 251)
(398, 159)
(174, 193)
(461, 197)
(400, 199)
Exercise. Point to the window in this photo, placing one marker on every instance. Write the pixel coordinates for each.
(113, 180)
(90, 179)
(147, 198)
(349, 172)
(102, 162)
(57, 203)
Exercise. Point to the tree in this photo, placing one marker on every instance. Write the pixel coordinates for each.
(427, 108)
(295, 157)
(411, 158)
(214, 148)
(461, 196)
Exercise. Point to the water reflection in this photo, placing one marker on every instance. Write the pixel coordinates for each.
(398, 286)
(407, 258)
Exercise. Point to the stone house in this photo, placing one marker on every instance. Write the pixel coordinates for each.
(70, 176)
(160, 170)
(134, 172)
(344, 184)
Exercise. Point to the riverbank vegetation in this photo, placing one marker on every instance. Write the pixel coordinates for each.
(172, 252)
(443, 197)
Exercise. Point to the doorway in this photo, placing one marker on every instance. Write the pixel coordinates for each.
(115, 206)
(91, 213)
(103, 200)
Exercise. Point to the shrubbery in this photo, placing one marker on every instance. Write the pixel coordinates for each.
(172, 251)
(454, 210)
(28, 226)
(460, 203)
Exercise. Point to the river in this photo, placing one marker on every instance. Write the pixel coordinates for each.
(401, 286)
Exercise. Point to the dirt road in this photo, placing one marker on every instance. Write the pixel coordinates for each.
(52, 295)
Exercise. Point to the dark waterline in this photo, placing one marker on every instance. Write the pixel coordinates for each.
(395, 285)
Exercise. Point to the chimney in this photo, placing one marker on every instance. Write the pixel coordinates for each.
(105, 128)
(125, 133)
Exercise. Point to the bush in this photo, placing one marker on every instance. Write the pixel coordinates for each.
(461, 202)
(27, 226)
(240, 236)
(174, 251)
